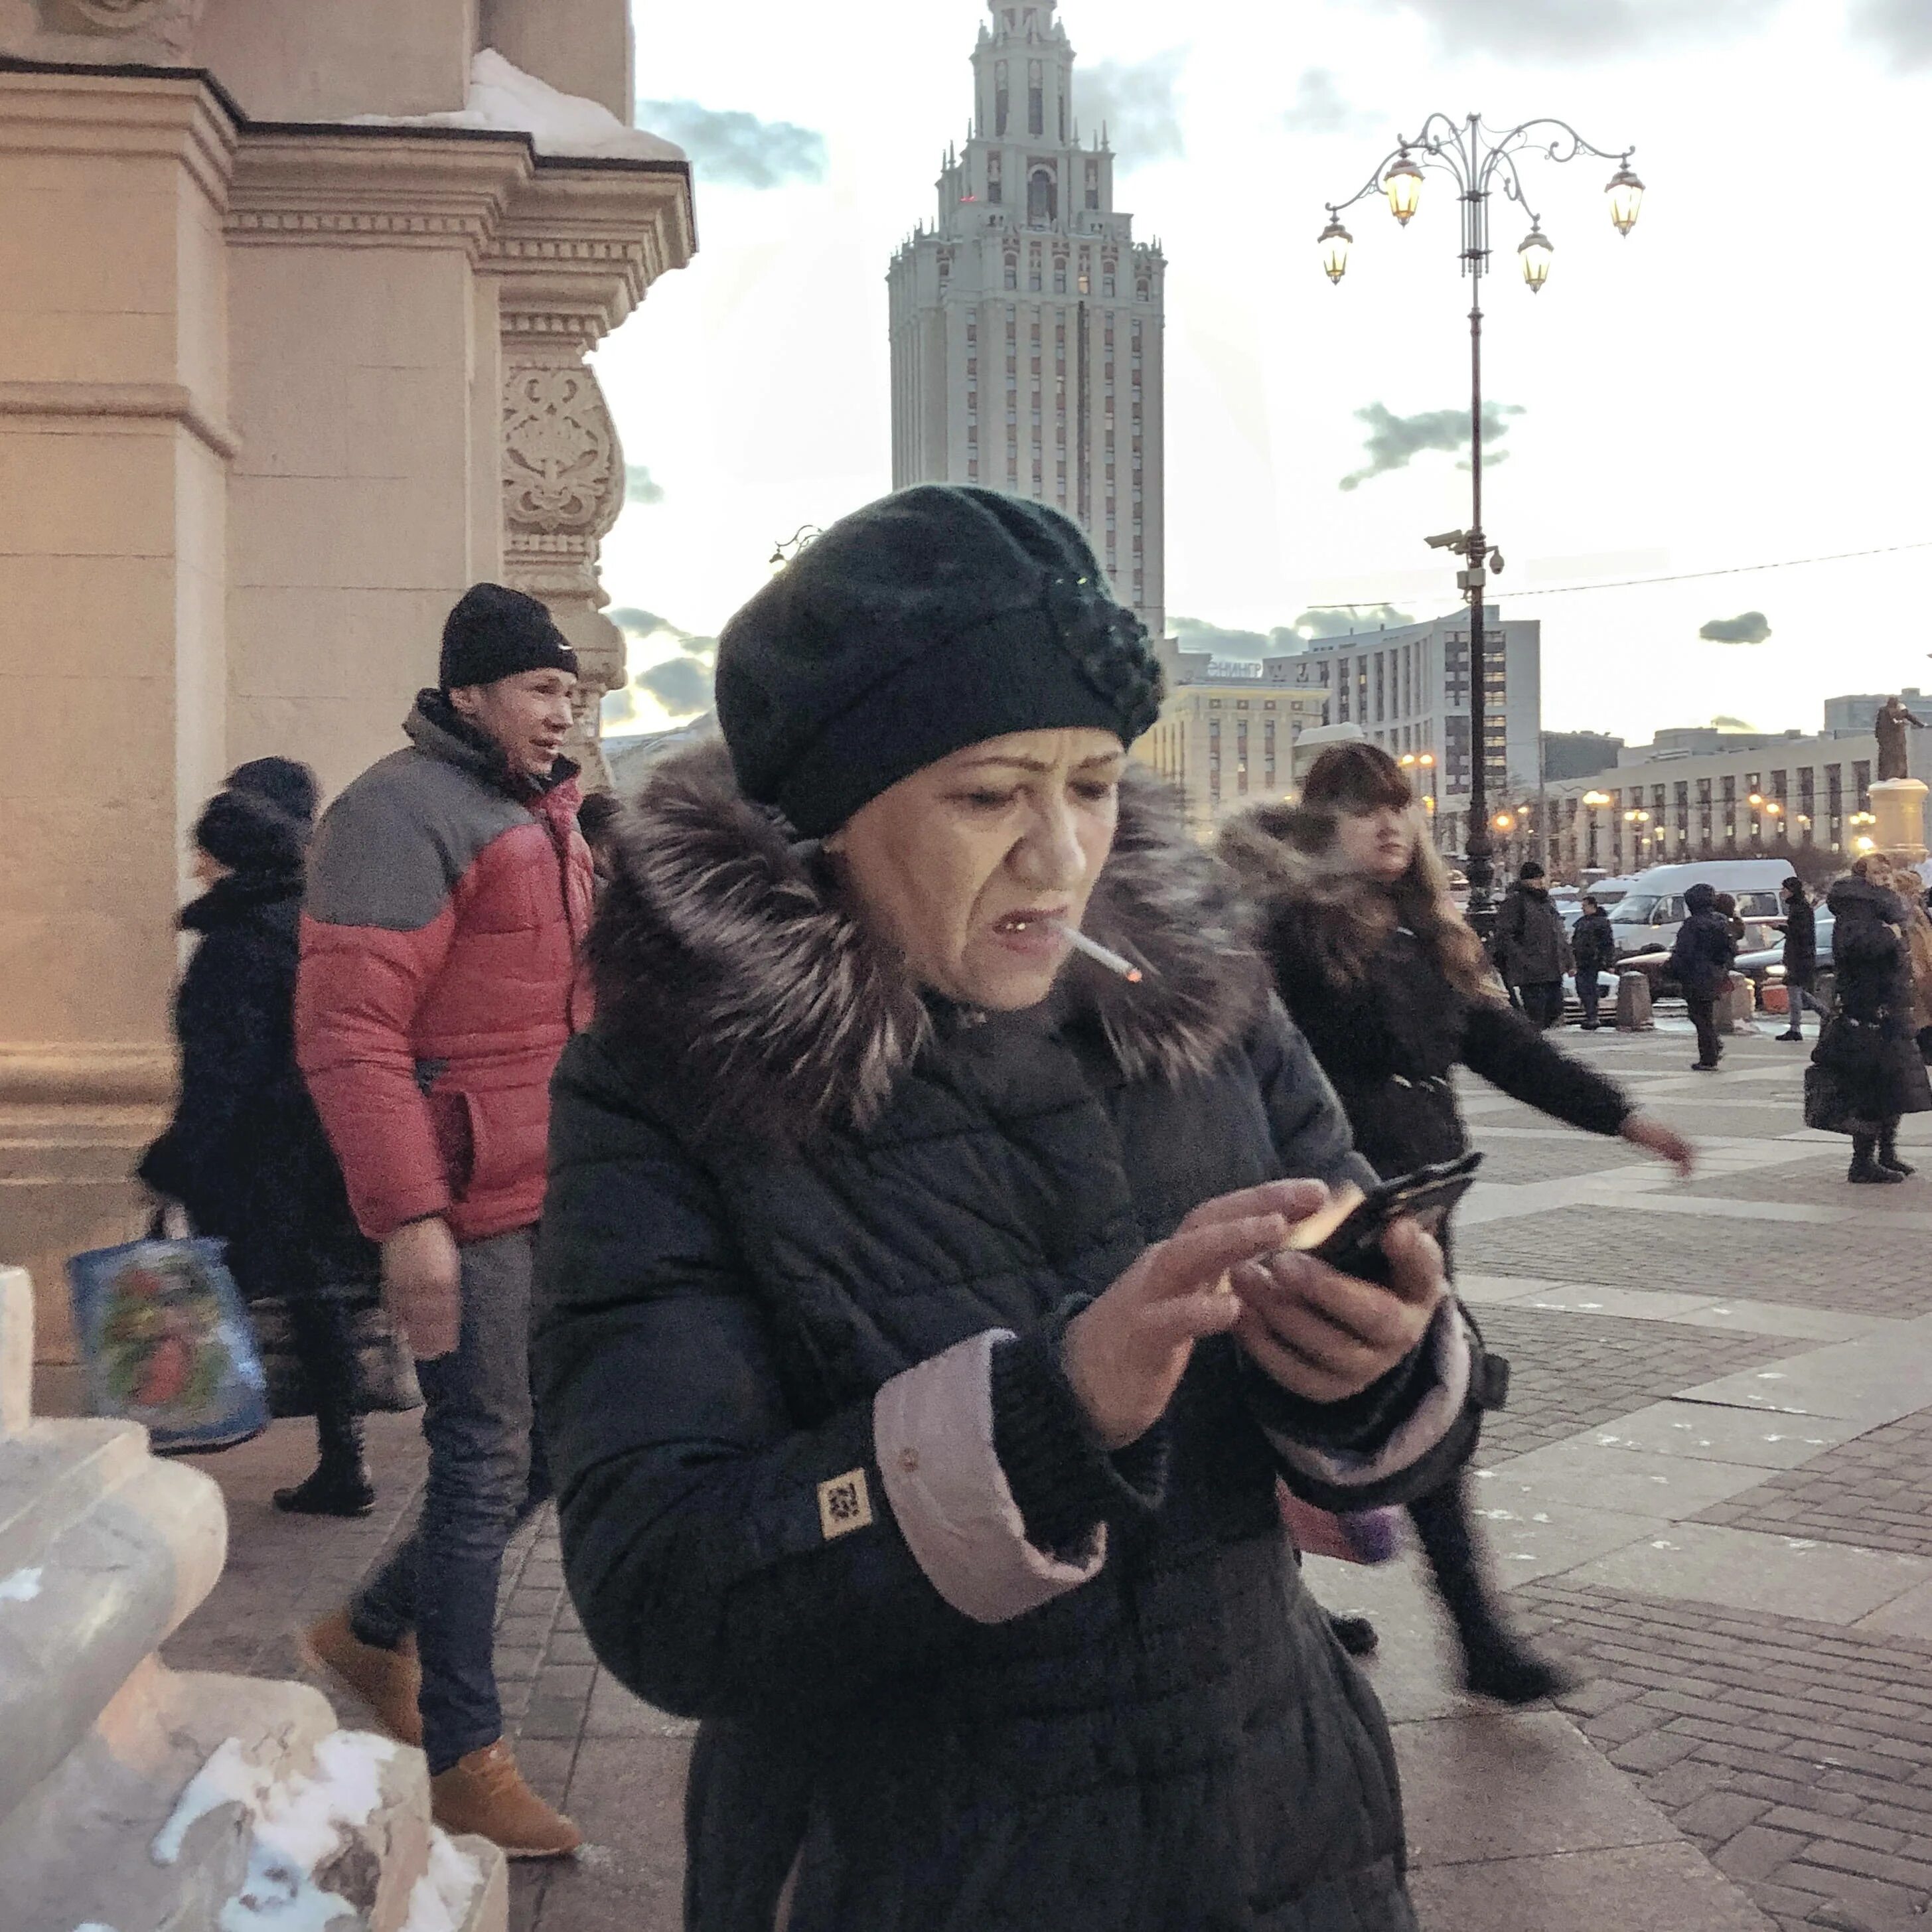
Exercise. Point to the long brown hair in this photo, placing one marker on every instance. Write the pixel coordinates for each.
(1346, 781)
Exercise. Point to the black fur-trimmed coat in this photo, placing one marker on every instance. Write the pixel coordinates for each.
(245, 1153)
(779, 1178)
(1390, 1035)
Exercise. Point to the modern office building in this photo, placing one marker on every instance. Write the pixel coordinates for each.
(1026, 322)
(1407, 690)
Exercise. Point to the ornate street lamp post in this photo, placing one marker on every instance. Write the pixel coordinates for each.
(1481, 161)
(1594, 802)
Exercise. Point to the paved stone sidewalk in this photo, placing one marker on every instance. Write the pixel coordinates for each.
(1709, 1493)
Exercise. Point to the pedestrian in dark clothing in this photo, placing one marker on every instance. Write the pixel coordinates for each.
(1801, 954)
(902, 1430)
(1593, 946)
(597, 819)
(1870, 1049)
(245, 1154)
(1392, 990)
(1725, 905)
(1700, 962)
(1532, 948)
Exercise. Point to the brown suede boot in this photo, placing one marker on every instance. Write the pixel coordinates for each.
(485, 1794)
(389, 1681)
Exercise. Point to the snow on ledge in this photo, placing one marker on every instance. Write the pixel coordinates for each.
(504, 99)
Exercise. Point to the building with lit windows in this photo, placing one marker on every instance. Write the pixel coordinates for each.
(1228, 742)
(1026, 322)
(1407, 689)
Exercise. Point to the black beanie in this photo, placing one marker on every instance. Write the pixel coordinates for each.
(280, 780)
(247, 831)
(929, 621)
(494, 633)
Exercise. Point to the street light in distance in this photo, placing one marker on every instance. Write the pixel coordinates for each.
(1482, 161)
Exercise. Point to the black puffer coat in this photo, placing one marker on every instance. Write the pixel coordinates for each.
(1390, 1040)
(732, 1267)
(1870, 1047)
(1706, 946)
(1593, 944)
(245, 1153)
(1532, 949)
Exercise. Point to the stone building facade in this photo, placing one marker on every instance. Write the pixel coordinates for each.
(1228, 742)
(297, 299)
(1026, 324)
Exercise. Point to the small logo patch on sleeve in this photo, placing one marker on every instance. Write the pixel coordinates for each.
(844, 1505)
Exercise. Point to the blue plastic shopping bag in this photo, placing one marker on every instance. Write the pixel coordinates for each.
(166, 1343)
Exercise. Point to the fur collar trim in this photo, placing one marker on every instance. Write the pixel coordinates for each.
(723, 948)
(1287, 860)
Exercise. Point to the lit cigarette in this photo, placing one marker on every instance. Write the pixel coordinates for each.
(1100, 954)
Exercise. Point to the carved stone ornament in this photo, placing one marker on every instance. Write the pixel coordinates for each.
(563, 467)
(171, 23)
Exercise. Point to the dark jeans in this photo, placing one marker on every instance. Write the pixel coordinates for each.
(483, 1481)
(1704, 1017)
(1588, 993)
(1543, 1002)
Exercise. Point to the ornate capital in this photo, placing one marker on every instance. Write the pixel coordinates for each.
(166, 26)
(563, 467)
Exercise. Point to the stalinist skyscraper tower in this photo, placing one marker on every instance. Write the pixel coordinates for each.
(1027, 351)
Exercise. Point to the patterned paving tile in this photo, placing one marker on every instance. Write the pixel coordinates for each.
(1569, 1372)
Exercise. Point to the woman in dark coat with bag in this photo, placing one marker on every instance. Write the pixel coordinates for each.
(915, 1352)
(245, 1155)
(1393, 992)
(1874, 1072)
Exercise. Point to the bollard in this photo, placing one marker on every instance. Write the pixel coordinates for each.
(1737, 1007)
(1633, 1013)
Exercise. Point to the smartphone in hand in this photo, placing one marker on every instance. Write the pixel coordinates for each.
(1347, 1234)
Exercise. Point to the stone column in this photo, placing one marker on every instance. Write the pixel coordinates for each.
(1899, 806)
(575, 253)
(115, 455)
(563, 488)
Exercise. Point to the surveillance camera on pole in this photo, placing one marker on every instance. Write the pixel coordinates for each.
(1456, 540)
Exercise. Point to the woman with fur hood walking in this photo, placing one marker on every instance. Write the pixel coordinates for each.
(1393, 992)
(245, 1154)
(915, 1351)
(1869, 1047)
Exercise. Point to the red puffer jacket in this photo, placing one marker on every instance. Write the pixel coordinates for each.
(439, 981)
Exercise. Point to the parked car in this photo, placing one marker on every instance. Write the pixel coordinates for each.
(1645, 919)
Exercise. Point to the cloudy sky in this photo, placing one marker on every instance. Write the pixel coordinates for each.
(1744, 380)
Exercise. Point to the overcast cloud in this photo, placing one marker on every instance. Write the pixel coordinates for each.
(1900, 28)
(1138, 102)
(640, 486)
(1393, 442)
(1528, 30)
(1320, 107)
(1749, 628)
(736, 149)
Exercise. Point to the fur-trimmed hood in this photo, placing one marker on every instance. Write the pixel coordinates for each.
(723, 948)
(1285, 858)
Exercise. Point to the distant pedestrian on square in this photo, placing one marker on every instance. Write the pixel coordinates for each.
(1801, 955)
(1391, 988)
(1700, 962)
(244, 1154)
(449, 889)
(1532, 948)
(1593, 945)
(1869, 1050)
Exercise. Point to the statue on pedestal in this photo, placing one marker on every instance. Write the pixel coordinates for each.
(1894, 759)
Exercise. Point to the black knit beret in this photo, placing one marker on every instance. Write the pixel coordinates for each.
(248, 832)
(494, 633)
(933, 619)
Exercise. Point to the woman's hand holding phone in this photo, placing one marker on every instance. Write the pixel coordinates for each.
(1325, 1336)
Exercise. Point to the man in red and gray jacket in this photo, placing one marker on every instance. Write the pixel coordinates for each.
(449, 891)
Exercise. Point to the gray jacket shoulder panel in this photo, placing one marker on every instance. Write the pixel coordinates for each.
(390, 850)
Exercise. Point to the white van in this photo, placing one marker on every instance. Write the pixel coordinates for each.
(1646, 918)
